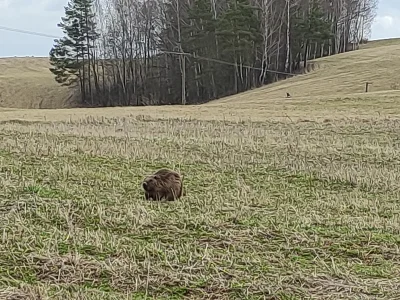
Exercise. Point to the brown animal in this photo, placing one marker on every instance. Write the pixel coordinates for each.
(163, 184)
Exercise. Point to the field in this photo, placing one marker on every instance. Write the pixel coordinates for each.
(286, 198)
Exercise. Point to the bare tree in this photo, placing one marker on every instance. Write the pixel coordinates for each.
(138, 60)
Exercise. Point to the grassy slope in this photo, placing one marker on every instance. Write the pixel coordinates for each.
(338, 75)
(304, 204)
(26, 82)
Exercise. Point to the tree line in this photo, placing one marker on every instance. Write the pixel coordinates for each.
(152, 52)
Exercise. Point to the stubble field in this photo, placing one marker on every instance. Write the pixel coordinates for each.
(301, 203)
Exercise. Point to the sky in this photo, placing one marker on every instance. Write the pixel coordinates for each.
(44, 15)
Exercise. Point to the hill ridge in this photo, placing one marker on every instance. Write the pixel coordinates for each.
(26, 82)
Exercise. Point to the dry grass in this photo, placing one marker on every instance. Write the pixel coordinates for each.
(380, 43)
(288, 208)
(286, 199)
(26, 82)
(339, 75)
(255, 109)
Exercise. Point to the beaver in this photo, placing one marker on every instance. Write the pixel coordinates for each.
(163, 184)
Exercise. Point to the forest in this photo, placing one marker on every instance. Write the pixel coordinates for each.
(158, 52)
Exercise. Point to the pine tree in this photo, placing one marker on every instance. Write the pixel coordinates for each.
(314, 28)
(199, 38)
(239, 36)
(71, 56)
(200, 32)
(64, 64)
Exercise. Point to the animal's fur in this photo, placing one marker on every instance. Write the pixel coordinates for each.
(163, 184)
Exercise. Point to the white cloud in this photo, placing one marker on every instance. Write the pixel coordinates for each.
(4, 4)
(54, 5)
(386, 22)
(33, 7)
(386, 26)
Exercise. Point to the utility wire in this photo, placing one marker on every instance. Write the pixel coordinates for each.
(225, 62)
(166, 52)
(28, 32)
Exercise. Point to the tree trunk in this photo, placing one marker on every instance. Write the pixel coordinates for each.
(287, 62)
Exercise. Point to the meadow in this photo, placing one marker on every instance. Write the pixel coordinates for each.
(285, 198)
(287, 208)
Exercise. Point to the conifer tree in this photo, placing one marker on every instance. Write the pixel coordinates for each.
(199, 38)
(313, 28)
(71, 56)
(239, 35)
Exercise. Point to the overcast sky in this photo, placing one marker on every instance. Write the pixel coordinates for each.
(43, 16)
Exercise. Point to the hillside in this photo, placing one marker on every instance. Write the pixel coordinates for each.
(28, 83)
(338, 75)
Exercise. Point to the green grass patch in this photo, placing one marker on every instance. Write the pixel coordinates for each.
(257, 219)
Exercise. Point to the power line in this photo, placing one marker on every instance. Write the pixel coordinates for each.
(166, 52)
(28, 32)
(225, 62)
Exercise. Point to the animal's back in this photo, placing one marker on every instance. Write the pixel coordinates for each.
(169, 184)
(172, 182)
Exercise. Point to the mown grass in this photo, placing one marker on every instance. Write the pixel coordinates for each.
(277, 210)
